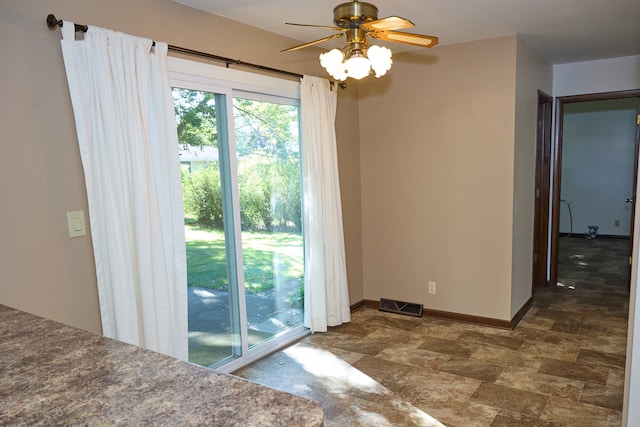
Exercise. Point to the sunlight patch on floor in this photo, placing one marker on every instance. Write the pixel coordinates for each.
(324, 364)
(562, 285)
(202, 293)
(209, 339)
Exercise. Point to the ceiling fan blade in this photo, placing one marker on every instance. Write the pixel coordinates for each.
(389, 23)
(324, 39)
(406, 38)
(331, 27)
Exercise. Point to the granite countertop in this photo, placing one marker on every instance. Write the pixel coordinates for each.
(52, 374)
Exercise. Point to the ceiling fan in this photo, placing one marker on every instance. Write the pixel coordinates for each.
(356, 21)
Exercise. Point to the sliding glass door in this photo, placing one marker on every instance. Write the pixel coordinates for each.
(240, 156)
(268, 162)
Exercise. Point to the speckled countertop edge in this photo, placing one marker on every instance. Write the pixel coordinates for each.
(53, 374)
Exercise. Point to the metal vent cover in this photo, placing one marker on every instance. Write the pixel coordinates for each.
(400, 307)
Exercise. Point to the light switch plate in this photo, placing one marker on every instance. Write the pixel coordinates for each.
(77, 227)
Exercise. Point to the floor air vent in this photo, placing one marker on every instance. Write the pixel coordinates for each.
(400, 307)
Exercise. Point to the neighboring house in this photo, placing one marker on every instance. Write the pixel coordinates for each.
(194, 158)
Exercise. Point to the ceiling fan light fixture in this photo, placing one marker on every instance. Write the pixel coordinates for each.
(358, 21)
(358, 63)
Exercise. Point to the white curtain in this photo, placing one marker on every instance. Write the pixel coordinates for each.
(126, 128)
(326, 294)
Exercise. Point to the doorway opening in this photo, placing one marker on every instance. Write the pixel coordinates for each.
(594, 176)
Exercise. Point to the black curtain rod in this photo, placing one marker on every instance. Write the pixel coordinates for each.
(53, 22)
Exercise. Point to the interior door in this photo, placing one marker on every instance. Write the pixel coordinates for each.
(543, 174)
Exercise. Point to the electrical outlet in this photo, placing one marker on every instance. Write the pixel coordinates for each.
(432, 287)
(616, 223)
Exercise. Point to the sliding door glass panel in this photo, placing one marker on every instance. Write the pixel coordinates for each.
(269, 187)
(213, 314)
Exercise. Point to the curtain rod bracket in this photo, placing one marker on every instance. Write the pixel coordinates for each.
(53, 22)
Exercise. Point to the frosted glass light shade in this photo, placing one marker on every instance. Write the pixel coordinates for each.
(357, 67)
(380, 58)
(331, 60)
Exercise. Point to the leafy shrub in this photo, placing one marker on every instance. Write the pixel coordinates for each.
(270, 196)
(202, 194)
(255, 197)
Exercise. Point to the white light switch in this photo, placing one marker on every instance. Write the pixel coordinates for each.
(77, 225)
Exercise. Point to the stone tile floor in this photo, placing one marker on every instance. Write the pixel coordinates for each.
(563, 365)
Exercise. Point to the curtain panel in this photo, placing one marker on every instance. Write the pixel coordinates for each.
(126, 129)
(326, 290)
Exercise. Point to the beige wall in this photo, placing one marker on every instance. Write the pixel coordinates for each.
(42, 270)
(437, 144)
(348, 135)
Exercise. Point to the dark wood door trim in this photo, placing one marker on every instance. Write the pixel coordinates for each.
(557, 167)
(542, 187)
(555, 203)
(635, 190)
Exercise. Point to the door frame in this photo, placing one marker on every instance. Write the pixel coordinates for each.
(542, 188)
(557, 170)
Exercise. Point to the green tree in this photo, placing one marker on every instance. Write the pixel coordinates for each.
(265, 129)
(195, 117)
(267, 139)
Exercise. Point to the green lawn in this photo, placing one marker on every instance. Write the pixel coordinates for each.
(267, 257)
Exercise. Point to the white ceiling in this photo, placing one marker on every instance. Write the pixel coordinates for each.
(560, 30)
